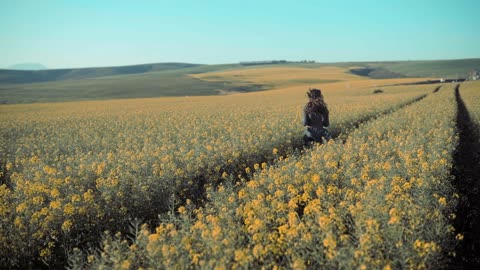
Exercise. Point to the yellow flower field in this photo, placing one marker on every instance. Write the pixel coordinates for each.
(383, 199)
(71, 171)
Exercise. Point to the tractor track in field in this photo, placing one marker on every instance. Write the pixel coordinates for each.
(466, 170)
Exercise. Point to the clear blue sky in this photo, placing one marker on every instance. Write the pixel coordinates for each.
(86, 33)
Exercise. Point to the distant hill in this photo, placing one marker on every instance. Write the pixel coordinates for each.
(33, 76)
(160, 83)
(435, 68)
(27, 66)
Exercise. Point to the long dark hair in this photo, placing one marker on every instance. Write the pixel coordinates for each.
(315, 104)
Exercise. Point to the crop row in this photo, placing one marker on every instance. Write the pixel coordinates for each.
(383, 199)
(72, 170)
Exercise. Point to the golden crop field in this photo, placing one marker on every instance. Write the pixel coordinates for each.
(230, 180)
(287, 77)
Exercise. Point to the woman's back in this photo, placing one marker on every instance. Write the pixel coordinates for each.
(316, 118)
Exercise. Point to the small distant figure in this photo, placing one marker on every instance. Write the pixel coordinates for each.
(315, 118)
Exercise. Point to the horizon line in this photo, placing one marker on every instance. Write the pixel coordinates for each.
(238, 63)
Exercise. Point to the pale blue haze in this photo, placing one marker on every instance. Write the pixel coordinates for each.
(62, 34)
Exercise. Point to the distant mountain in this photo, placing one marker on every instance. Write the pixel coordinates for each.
(27, 66)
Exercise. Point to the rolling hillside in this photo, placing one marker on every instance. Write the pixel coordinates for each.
(33, 76)
(168, 82)
(183, 79)
(436, 68)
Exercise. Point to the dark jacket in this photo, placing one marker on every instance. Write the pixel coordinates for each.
(316, 120)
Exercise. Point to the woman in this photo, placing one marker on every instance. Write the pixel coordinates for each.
(315, 118)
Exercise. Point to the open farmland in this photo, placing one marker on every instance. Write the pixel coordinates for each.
(164, 80)
(281, 76)
(262, 135)
(230, 179)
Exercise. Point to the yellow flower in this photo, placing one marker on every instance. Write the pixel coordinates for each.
(88, 196)
(323, 221)
(45, 253)
(90, 258)
(329, 242)
(18, 222)
(242, 193)
(393, 220)
(49, 170)
(38, 200)
(55, 193)
(298, 264)
(258, 251)
(126, 264)
(67, 225)
(68, 209)
(216, 232)
(292, 219)
(240, 256)
(153, 237)
(442, 201)
(9, 166)
(21, 207)
(256, 226)
(182, 210)
(76, 198)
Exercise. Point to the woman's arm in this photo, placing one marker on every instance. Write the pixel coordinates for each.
(306, 119)
(327, 120)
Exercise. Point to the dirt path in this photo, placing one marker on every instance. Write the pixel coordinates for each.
(467, 181)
